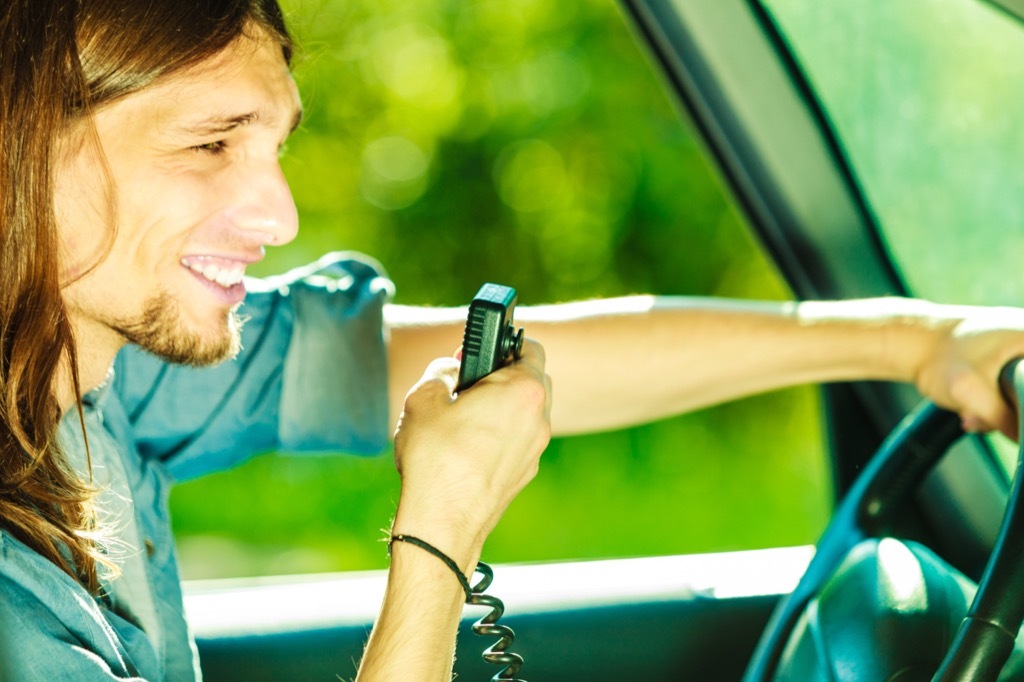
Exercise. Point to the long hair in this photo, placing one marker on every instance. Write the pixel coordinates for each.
(61, 60)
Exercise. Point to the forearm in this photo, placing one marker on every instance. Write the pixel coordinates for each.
(618, 362)
(414, 636)
(462, 459)
(624, 361)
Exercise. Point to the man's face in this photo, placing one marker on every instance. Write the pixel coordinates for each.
(156, 256)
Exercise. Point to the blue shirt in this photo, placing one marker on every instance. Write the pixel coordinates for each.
(312, 376)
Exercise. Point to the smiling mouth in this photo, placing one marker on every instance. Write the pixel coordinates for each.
(226, 276)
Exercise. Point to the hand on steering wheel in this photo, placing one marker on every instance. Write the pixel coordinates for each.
(986, 636)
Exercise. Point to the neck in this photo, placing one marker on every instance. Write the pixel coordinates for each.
(96, 352)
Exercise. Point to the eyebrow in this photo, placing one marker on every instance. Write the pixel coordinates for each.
(218, 125)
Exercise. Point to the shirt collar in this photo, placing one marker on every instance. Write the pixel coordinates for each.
(98, 396)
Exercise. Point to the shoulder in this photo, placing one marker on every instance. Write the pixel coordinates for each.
(351, 275)
(27, 579)
(52, 627)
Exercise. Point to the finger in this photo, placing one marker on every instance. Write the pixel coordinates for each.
(440, 368)
(547, 402)
(995, 415)
(443, 372)
(1006, 422)
(973, 424)
(1010, 420)
(533, 357)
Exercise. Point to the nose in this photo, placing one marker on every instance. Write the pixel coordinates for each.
(266, 210)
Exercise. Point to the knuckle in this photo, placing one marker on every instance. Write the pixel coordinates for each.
(535, 392)
(426, 391)
(964, 388)
(545, 434)
(534, 470)
(443, 365)
(537, 350)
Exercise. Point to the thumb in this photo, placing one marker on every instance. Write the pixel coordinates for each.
(441, 374)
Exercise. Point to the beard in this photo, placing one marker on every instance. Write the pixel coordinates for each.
(161, 331)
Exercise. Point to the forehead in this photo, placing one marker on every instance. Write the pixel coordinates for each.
(249, 79)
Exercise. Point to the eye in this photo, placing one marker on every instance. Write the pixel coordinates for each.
(212, 148)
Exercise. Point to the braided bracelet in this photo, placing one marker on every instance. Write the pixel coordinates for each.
(439, 554)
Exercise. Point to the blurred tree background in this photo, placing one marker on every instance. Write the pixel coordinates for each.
(527, 142)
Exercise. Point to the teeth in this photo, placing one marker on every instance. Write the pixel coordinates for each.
(225, 277)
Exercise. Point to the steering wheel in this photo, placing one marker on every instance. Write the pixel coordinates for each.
(986, 635)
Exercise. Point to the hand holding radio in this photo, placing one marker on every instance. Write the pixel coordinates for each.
(464, 453)
(465, 448)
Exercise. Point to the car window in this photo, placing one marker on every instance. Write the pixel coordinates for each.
(923, 99)
(527, 143)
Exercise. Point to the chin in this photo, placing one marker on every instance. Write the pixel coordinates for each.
(163, 331)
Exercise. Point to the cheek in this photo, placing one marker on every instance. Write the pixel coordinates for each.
(84, 215)
(155, 215)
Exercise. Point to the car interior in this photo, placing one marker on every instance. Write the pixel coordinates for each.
(872, 150)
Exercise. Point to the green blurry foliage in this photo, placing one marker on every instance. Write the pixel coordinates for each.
(528, 143)
(520, 141)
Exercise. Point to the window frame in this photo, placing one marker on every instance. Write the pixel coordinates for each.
(734, 78)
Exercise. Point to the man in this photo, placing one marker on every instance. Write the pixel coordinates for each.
(140, 179)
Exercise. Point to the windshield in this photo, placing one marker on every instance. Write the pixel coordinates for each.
(924, 99)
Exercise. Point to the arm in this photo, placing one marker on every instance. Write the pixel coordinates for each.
(623, 361)
(309, 377)
(462, 461)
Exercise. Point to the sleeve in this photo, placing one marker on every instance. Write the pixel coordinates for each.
(312, 376)
(44, 650)
(34, 645)
(51, 629)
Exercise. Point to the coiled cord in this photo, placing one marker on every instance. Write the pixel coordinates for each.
(497, 653)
